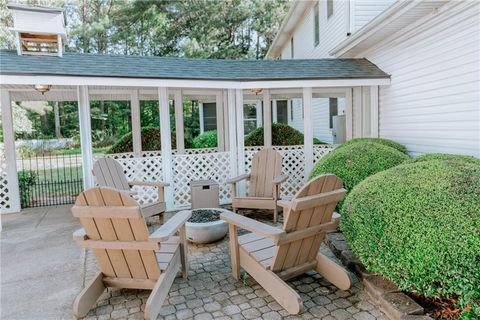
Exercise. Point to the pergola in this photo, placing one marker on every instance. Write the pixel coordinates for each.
(87, 77)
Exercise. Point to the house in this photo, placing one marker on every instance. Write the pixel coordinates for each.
(430, 49)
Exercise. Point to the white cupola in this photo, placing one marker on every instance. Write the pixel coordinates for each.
(38, 30)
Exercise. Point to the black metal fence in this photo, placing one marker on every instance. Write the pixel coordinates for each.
(47, 178)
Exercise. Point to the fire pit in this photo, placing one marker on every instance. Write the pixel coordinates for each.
(205, 225)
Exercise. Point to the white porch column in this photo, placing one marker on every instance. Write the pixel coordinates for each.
(85, 135)
(274, 111)
(357, 113)
(179, 125)
(219, 118)
(240, 130)
(136, 125)
(349, 113)
(374, 112)
(232, 129)
(10, 157)
(166, 145)
(308, 129)
(200, 116)
(267, 119)
(226, 119)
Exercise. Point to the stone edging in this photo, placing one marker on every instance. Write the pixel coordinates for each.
(384, 293)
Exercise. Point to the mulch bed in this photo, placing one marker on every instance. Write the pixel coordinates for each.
(204, 215)
(437, 308)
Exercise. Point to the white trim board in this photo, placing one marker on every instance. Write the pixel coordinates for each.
(177, 83)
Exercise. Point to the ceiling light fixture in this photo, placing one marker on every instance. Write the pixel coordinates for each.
(256, 90)
(42, 88)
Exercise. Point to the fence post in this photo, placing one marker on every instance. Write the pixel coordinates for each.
(10, 157)
(166, 145)
(85, 135)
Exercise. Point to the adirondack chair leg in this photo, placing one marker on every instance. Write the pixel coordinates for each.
(333, 272)
(275, 214)
(288, 298)
(234, 251)
(183, 251)
(88, 296)
(162, 287)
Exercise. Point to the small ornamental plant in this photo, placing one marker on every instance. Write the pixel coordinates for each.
(150, 141)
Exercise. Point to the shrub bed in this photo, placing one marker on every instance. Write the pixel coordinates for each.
(418, 225)
(282, 135)
(208, 139)
(150, 141)
(386, 142)
(445, 156)
(356, 161)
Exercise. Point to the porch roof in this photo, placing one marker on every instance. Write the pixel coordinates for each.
(152, 67)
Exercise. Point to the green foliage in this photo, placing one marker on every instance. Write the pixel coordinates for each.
(150, 141)
(282, 135)
(25, 151)
(208, 139)
(357, 161)
(26, 180)
(385, 142)
(445, 156)
(418, 225)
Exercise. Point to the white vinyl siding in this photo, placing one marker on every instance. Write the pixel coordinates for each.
(365, 10)
(432, 104)
(320, 113)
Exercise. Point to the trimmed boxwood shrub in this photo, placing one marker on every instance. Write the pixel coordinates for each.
(208, 139)
(282, 135)
(418, 224)
(446, 156)
(356, 161)
(150, 141)
(386, 142)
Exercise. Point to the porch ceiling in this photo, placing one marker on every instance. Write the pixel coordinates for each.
(151, 67)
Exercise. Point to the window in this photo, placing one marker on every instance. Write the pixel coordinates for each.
(333, 109)
(329, 8)
(282, 111)
(292, 52)
(250, 117)
(316, 24)
(291, 110)
(209, 116)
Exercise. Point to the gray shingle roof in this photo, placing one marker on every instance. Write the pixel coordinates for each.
(95, 65)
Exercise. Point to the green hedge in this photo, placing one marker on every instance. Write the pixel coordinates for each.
(356, 161)
(208, 139)
(282, 135)
(418, 225)
(385, 142)
(150, 141)
(445, 156)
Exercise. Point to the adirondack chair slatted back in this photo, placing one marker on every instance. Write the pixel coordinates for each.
(112, 226)
(305, 250)
(266, 165)
(109, 173)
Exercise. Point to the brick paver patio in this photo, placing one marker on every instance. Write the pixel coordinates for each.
(211, 293)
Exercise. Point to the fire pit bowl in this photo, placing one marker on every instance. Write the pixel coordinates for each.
(205, 225)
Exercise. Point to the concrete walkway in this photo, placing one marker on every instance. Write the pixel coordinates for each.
(41, 267)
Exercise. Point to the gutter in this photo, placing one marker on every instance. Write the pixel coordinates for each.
(397, 9)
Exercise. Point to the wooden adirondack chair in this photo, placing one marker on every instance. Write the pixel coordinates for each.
(109, 173)
(271, 255)
(114, 228)
(264, 183)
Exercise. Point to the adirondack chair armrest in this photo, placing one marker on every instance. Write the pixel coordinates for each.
(245, 176)
(80, 235)
(285, 204)
(309, 202)
(149, 184)
(280, 179)
(169, 228)
(252, 225)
